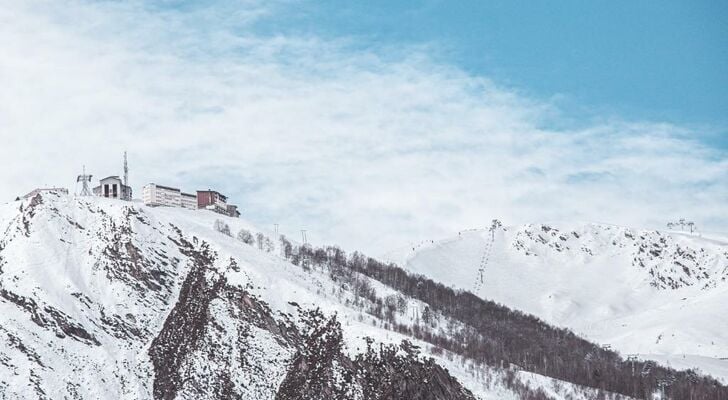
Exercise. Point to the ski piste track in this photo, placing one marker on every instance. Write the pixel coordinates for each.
(480, 277)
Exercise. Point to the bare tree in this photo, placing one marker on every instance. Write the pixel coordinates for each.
(245, 236)
(286, 247)
(260, 238)
(222, 227)
(268, 245)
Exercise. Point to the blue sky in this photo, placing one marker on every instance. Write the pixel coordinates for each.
(651, 60)
(374, 124)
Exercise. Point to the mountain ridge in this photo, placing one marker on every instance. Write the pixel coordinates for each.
(107, 299)
(642, 291)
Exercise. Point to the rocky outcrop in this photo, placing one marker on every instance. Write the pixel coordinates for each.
(321, 370)
(398, 372)
(219, 341)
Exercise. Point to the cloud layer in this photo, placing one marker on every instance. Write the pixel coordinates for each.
(366, 147)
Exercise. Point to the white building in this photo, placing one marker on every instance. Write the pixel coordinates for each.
(158, 195)
(112, 187)
(188, 201)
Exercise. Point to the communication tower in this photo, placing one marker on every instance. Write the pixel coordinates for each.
(84, 179)
(126, 171)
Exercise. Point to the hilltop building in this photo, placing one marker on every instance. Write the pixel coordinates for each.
(188, 201)
(232, 210)
(212, 200)
(217, 202)
(164, 196)
(113, 188)
(158, 195)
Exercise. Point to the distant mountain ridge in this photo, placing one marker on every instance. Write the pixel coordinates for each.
(641, 291)
(673, 260)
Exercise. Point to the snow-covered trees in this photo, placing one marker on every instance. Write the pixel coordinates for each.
(286, 247)
(268, 245)
(263, 242)
(222, 227)
(427, 316)
(245, 236)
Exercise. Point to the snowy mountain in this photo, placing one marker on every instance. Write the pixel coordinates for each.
(659, 295)
(102, 299)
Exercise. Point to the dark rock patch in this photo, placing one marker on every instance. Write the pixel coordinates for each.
(50, 318)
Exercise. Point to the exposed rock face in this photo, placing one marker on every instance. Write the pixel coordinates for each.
(399, 373)
(218, 341)
(321, 370)
(184, 329)
(50, 318)
(200, 354)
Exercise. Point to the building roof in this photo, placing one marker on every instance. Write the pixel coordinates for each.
(114, 177)
(188, 195)
(165, 187)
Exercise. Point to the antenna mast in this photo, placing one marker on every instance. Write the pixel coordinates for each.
(126, 172)
(126, 190)
(84, 179)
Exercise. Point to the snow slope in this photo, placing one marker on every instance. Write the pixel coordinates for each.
(101, 299)
(662, 295)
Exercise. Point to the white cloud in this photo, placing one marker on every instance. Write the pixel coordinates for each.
(367, 148)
